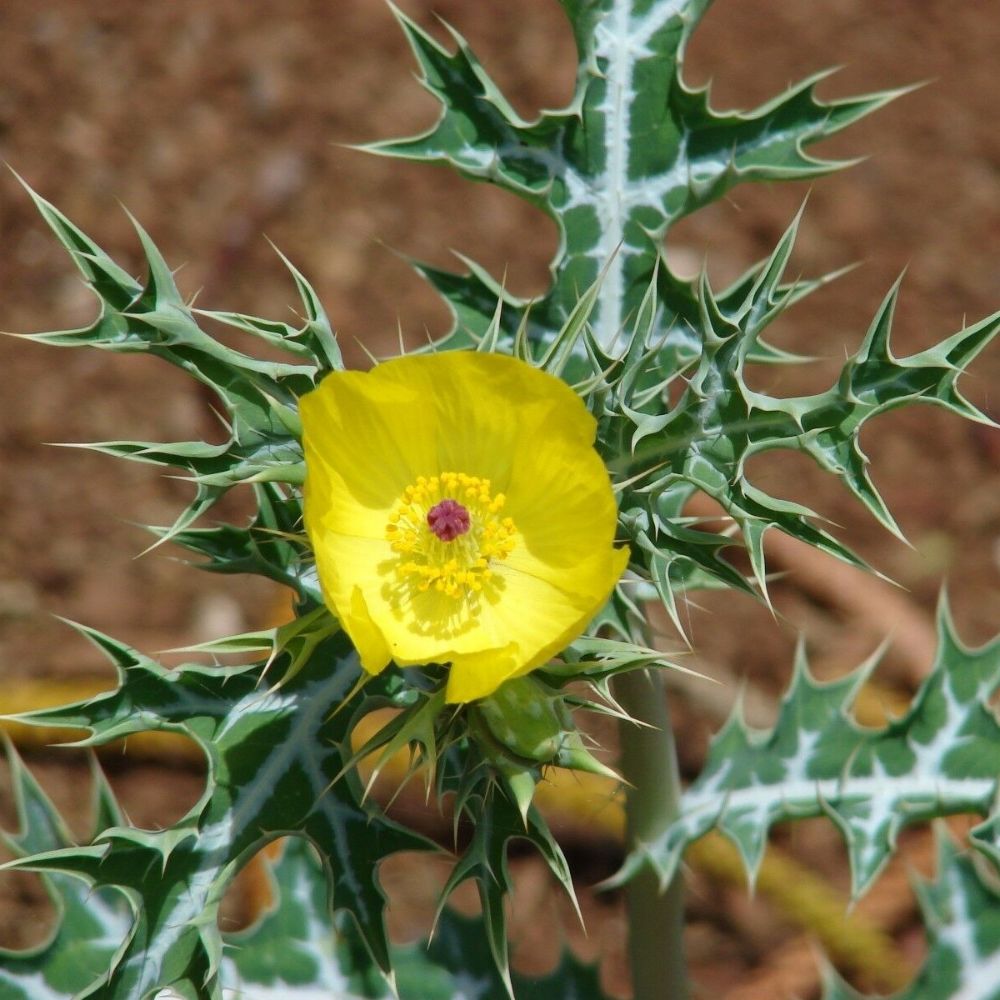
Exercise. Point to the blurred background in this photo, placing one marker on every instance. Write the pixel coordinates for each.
(221, 125)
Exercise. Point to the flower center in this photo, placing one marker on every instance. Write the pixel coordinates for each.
(448, 519)
(448, 532)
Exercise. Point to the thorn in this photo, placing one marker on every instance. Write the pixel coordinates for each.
(371, 357)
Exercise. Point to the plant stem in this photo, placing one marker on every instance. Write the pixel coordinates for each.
(649, 764)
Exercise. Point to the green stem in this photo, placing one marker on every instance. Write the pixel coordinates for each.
(649, 765)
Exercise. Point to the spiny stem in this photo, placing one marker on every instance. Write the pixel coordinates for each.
(649, 764)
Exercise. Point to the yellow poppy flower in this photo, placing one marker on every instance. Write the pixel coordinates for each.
(459, 514)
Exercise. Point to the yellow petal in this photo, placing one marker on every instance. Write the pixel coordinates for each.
(368, 638)
(540, 618)
(429, 627)
(475, 675)
(352, 433)
(348, 572)
(487, 408)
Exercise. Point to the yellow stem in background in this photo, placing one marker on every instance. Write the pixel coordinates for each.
(591, 802)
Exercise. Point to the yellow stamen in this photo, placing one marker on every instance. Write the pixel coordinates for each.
(455, 566)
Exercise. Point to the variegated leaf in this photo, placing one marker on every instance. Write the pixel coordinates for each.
(942, 757)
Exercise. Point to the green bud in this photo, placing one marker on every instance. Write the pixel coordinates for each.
(525, 718)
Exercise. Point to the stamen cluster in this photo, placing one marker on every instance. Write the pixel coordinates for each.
(452, 562)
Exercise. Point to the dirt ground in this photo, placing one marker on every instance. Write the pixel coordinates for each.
(217, 124)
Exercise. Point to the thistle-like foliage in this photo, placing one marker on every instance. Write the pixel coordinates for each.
(259, 397)
(941, 758)
(90, 925)
(703, 442)
(960, 911)
(635, 150)
(293, 949)
(271, 759)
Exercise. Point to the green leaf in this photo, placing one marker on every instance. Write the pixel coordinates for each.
(315, 340)
(961, 912)
(273, 545)
(89, 925)
(294, 950)
(704, 441)
(259, 397)
(939, 759)
(273, 754)
(634, 151)
(497, 820)
(457, 965)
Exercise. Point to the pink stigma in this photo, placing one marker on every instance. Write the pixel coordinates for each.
(448, 519)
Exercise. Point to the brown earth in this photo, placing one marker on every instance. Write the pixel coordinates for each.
(216, 124)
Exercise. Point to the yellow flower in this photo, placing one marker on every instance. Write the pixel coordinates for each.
(459, 514)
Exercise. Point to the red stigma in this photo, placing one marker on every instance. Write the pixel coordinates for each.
(448, 519)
